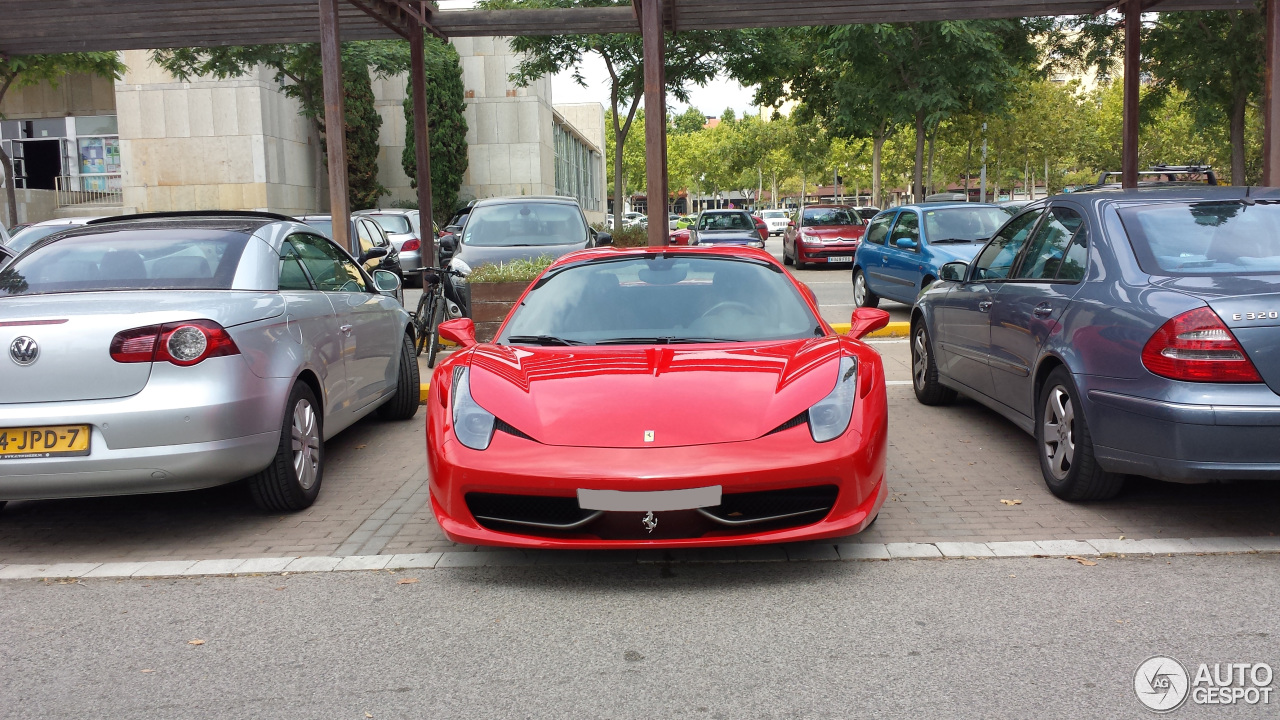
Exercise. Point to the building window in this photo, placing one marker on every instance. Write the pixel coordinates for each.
(577, 170)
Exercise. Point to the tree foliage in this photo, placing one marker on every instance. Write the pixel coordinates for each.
(21, 71)
(446, 125)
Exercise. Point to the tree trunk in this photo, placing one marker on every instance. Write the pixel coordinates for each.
(773, 193)
(929, 181)
(968, 168)
(877, 144)
(619, 208)
(803, 190)
(917, 176)
(1046, 176)
(1237, 139)
(10, 186)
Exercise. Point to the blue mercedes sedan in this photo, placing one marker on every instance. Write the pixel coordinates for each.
(904, 247)
(1129, 331)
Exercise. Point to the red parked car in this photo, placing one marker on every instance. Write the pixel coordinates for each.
(761, 227)
(680, 237)
(827, 234)
(652, 397)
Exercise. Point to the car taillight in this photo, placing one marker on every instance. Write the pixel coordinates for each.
(1198, 347)
(182, 343)
(410, 245)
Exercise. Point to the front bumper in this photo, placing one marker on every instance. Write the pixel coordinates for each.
(1234, 439)
(823, 254)
(188, 428)
(854, 463)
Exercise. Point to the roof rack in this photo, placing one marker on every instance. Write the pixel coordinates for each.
(1170, 172)
(248, 214)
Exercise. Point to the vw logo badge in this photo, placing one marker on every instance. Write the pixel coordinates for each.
(24, 350)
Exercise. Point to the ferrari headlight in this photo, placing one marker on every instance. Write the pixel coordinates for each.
(458, 265)
(472, 424)
(830, 417)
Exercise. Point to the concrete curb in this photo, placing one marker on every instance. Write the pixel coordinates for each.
(892, 330)
(812, 552)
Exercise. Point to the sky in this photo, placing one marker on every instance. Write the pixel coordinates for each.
(711, 99)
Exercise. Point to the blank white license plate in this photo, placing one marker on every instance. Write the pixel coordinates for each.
(657, 501)
(839, 258)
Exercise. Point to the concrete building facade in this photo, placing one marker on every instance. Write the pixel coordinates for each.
(150, 143)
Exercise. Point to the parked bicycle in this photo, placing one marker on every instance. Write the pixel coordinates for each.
(431, 306)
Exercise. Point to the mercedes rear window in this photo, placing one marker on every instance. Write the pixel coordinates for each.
(169, 259)
(1231, 237)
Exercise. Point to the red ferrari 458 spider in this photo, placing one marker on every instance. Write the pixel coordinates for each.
(659, 398)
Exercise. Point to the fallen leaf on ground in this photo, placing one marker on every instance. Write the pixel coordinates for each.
(368, 715)
(1011, 502)
(280, 588)
(1121, 537)
(406, 581)
(1081, 560)
(195, 642)
(147, 670)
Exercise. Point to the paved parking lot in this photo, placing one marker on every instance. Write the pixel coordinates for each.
(949, 470)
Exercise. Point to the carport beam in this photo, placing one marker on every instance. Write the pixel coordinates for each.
(1132, 62)
(655, 133)
(1270, 103)
(422, 143)
(335, 125)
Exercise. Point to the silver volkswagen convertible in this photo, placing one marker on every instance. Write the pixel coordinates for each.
(154, 353)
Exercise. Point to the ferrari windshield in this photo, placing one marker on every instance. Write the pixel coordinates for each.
(524, 224)
(189, 259)
(659, 300)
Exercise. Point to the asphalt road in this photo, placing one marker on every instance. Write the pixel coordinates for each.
(1026, 638)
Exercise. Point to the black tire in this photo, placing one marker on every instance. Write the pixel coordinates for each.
(864, 297)
(1067, 461)
(404, 403)
(433, 340)
(924, 370)
(278, 487)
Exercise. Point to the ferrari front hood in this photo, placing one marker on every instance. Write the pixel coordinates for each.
(652, 396)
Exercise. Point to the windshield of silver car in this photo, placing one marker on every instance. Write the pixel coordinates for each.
(186, 259)
(525, 224)
(661, 300)
(1205, 238)
(960, 225)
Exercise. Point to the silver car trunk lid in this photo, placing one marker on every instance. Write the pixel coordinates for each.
(72, 336)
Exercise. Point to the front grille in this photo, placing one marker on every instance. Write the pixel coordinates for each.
(737, 513)
(797, 506)
(533, 511)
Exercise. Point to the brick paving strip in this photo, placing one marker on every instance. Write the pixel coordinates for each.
(1079, 549)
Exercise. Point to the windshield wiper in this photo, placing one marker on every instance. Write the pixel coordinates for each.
(662, 340)
(958, 240)
(542, 340)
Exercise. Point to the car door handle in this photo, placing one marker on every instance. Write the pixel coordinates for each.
(1042, 310)
(984, 306)
(345, 329)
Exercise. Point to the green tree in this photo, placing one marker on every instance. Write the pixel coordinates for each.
(633, 175)
(692, 58)
(689, 121)
(447, 127)
(21, 71)
(298, 71)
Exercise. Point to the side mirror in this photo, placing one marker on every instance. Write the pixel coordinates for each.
(604, 238)
(372, 253)
(463, 331)
(448, 243)
(953, 271)
(387, 283)
(867, 320)
(905, 244)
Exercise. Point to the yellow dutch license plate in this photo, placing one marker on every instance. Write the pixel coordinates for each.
(42, 442)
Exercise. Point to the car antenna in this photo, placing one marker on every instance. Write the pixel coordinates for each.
(1247, 199)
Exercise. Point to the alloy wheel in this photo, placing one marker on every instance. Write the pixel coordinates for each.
(859, 290)
(920, 358)
(306, 444)
(1058, 439)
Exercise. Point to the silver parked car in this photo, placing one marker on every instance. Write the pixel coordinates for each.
(404, 231)
(154, 353)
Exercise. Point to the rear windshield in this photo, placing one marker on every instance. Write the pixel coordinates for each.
(726, 221)
(394, 224)
(188, 259)
(657, 300)
(325, 226)
(814, 217)
(963, 224)
(1205, 238)
(28, 237)
(525, 224)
